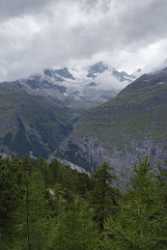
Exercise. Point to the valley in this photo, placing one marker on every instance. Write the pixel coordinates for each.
(56, 115)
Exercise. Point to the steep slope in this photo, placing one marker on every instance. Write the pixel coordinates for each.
(29, 123)
(125, 129)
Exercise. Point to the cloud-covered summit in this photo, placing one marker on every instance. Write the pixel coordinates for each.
(45, 33)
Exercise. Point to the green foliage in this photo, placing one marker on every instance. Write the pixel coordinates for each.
(103, 196)
(11, 193)
(75, 229)
(52, 207)
(139, 223)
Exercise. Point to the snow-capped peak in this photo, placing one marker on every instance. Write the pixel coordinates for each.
(93, 84)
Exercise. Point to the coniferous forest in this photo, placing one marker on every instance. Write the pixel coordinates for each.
(49, 206)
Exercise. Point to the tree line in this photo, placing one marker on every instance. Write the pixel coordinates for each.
(49, 206)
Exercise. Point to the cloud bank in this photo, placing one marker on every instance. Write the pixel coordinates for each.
(37, 34)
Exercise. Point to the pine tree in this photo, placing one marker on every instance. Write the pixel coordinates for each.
(104, 197)
(11, 193)
(75, 229)
(138, 224)
(32, 214)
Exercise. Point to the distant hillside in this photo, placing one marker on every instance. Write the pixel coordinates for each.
(128, 127)
(38, 113)
(30, 123)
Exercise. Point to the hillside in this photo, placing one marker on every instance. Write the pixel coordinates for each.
(128, 127)
(29, 123)
(38, 112)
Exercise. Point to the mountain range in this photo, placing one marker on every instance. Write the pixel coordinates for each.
(39, 112)
(86, 116)
(78, 88)
(125, 129)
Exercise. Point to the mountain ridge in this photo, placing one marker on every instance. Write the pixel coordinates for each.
(75, 88)
(130, 126)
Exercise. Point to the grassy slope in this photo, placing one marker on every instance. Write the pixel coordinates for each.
(139, 112)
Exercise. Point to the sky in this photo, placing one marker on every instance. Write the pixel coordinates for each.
(38, 34)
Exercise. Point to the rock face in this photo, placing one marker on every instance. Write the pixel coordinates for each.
(97, 68)
(124, 130)
(30, 124)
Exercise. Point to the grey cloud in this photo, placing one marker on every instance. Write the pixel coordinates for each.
(9, 9)
(14, 8)
(53, 33)
(135, 27)
(88, 5)
(147, 23)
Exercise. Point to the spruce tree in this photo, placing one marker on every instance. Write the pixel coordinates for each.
(138, 224)
(11, 193)
(75, 229)
(104, 197)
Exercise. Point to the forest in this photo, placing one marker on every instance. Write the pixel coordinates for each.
(49, 206)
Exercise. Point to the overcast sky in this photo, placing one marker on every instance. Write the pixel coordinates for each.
(37, 34)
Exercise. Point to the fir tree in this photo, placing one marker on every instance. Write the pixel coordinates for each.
(104, 197)
(75, 229)
(138, 224)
